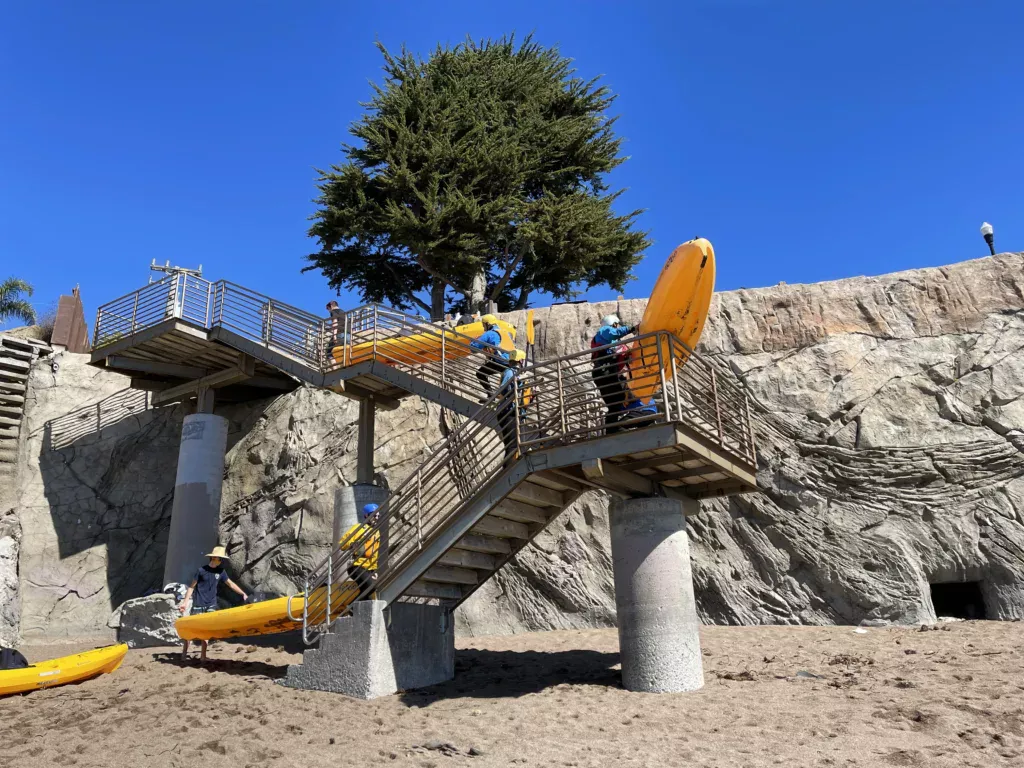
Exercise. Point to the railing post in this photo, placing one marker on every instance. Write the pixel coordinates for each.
(751, 445)
(209, 305)
(269, 325)
(675, 389)
(305, 613)
(661, 373)
(330, 589)
(444, 356)
(718, 405)
(374, 331)
(561, 398)
(419, 509)
(96, 330)
(135, 310)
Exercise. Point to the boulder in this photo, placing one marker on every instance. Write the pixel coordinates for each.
(145, 622)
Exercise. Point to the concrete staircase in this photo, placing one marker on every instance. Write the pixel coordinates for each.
(16, 358)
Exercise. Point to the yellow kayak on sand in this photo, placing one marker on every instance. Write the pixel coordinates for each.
(422, 348)
(266, 618)
(679, 304)
(66, 669)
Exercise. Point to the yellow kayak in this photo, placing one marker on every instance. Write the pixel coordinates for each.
(422, 348)
(266, 618)
(67, 669)
(679, 304)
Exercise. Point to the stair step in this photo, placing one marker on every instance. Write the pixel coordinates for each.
(9, 350)
(11, 433)
(519, 512)
(8, 421)
(505, 529)
(23, 345)
(447, 575)
(14, 364)
(537, 495)
(438, 591)
(464, 558)
(7, 397)
(17, 377)
(11, 386)
(488, 545)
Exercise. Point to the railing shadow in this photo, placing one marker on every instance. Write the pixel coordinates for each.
(486, 674)
(94, 418)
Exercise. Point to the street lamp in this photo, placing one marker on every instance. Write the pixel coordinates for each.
(986, 232)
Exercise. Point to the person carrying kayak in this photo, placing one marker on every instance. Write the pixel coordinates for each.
(365, 543)
(497, 359)
(204, 587)
(609, 367)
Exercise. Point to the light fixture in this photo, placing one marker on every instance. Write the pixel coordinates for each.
(987, 233)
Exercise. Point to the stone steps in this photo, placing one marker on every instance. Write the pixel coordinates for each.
(16, 358)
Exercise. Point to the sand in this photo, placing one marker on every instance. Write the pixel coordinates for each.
(789, 696)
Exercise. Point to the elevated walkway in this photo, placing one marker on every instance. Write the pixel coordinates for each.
(182, 334)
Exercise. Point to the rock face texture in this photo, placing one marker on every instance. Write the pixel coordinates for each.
(10, 603)
(889, 410)
(146, 622)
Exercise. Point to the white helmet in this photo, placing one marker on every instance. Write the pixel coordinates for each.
(610, 320)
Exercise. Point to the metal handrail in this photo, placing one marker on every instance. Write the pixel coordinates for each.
(565, 406)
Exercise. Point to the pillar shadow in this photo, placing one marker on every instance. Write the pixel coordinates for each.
(509, 674)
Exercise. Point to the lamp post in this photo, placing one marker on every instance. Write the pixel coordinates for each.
(987, 233)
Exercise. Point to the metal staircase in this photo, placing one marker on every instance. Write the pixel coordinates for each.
(498, 478)
(489, 488)
(16, 358)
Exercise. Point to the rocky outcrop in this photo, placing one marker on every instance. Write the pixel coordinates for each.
(889, 412)
(10, 603)
(146, 622)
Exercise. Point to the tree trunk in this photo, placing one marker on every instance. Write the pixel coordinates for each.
(437, 290)
(476, 298)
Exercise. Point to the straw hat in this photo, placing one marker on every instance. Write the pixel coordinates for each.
(219, 552)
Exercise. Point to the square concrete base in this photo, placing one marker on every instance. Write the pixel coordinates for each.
(370, 654)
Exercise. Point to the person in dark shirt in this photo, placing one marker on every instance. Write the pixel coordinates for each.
(204, 588)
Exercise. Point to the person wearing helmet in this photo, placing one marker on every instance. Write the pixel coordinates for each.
(497, 359)
(363, 539)
(609, 364)
(506, 411)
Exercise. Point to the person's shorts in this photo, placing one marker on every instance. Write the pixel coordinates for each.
(197, 609)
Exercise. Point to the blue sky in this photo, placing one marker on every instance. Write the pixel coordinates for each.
(807, 140)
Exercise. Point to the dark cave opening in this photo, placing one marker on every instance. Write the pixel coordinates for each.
(961, 600)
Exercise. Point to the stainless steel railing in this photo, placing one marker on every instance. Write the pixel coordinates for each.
(555, 402)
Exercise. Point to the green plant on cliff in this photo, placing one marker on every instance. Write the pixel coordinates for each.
(12, 303)
(480, 170)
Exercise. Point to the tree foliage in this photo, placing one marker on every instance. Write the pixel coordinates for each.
(12, 305)
(480, 170)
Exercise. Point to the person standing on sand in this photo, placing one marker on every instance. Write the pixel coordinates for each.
(204, 585)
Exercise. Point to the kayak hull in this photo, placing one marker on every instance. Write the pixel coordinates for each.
(422, 348)
(266, 618)
(62, 671)
(679, 304)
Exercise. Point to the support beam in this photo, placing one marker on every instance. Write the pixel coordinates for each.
(364, 454)
(154, 367)
(592, 469)
(245, 369)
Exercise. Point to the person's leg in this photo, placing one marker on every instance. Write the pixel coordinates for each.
(483, 375)
(202, 655)
(184, 650)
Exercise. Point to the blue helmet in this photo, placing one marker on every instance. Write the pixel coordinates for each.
(369, 509)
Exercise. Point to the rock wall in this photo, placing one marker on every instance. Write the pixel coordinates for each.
(889, 412)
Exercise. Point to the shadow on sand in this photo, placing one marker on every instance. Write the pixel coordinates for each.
(510, 674)
(240, 667)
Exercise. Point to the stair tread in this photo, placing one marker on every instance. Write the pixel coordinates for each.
(446, 574)
(505, 529)
(484, 544)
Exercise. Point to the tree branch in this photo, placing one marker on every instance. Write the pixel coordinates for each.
(409, 294)
(508, 273)
(438, 276)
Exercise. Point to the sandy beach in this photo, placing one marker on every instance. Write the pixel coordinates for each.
(790, 696)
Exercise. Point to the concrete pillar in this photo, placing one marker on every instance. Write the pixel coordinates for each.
(195, 514)
(380, 650)
(658, 640)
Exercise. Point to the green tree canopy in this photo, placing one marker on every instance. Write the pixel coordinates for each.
(12, 305)
(480, 170)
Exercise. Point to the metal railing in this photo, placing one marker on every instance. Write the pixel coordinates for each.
(555, 402)
(433, 353)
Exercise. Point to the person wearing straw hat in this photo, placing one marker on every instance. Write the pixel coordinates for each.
(204, 586)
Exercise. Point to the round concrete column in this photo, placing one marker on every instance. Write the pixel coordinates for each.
(658, 641)
(195, 515)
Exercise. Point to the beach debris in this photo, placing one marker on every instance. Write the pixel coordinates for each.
(860, 631)
(810, 675)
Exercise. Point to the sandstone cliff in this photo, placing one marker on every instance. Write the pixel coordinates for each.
(890, 413)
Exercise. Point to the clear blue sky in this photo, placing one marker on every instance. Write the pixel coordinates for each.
(807, 140)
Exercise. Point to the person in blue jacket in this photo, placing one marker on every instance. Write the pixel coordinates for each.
(609, 367)
(497, 359)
